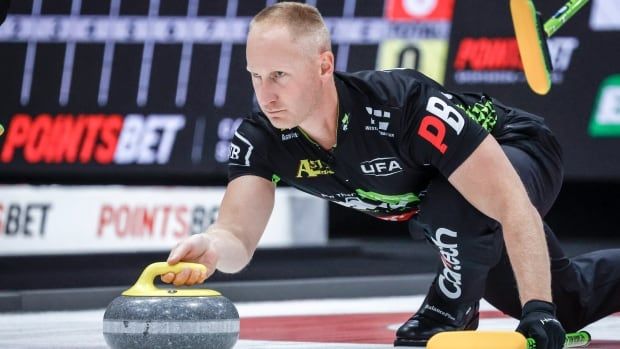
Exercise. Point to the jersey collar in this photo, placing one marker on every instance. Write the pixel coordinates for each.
(344, 109)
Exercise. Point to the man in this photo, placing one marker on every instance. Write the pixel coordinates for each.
(473, 175)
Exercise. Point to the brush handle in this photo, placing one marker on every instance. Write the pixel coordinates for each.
(496, 340)
(563, 15)
(573, 340)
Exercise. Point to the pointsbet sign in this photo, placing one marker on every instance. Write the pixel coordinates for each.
(91, 138)
(42, 219)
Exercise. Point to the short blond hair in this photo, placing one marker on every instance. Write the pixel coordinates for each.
(301, 20)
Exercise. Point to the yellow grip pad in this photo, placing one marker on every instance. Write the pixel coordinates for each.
(145, 287)
(532, 45)
(477, 340)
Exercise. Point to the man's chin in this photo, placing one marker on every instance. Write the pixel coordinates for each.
(281, 124)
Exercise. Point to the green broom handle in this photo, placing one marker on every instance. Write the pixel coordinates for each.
(562, 15)
(577, 339)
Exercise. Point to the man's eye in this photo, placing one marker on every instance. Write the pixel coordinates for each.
(279, 74)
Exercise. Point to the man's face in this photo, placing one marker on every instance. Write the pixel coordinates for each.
(286, 75)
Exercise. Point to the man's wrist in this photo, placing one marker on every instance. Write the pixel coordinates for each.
(210, 245)
(538, 305)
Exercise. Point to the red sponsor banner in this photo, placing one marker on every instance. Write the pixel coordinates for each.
(427, 10)
(486, 53)
(91, 138)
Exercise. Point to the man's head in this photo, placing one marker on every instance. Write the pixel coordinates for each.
(290, 61)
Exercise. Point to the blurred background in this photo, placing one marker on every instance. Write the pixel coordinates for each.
(118, 116)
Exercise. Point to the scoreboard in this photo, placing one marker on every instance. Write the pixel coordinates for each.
(124, 90)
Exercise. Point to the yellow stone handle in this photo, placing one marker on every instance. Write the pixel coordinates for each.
(145, 287)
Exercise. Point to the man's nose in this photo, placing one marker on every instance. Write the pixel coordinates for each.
(265, 94)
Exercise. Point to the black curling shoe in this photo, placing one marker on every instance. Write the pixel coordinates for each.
(434, 318)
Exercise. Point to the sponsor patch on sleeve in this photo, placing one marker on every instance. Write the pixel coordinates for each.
(240, 151)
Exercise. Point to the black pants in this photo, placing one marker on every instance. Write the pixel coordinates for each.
(473, 255)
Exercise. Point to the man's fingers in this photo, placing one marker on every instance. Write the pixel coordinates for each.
(182, 277)
(178, 253)
(167, 278)
(194, 277)
(542, 341)
(187, 250)
(185, 277)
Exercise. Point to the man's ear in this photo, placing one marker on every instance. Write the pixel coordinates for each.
(327, 63)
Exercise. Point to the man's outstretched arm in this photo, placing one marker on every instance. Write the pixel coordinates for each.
(229, 243)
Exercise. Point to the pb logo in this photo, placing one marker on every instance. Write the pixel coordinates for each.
(433, 129)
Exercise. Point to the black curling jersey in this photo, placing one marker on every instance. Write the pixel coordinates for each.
(397, 130)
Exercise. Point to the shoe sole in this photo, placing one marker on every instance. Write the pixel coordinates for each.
(404, 342)
(401, 342)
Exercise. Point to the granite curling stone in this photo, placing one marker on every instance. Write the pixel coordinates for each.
(149, 317)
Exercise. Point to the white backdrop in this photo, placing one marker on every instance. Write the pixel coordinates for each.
(83, 219)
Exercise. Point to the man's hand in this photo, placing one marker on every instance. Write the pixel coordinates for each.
(229, 243)
(538, 322)
(197, 248)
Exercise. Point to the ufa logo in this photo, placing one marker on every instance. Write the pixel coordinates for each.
(381, 167)
(432, 10)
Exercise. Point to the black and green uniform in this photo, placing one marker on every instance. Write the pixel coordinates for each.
(400, 136)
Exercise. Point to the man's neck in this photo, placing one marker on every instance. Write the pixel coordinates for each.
(322, 126)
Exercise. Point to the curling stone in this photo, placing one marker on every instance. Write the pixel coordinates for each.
(146, 316)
